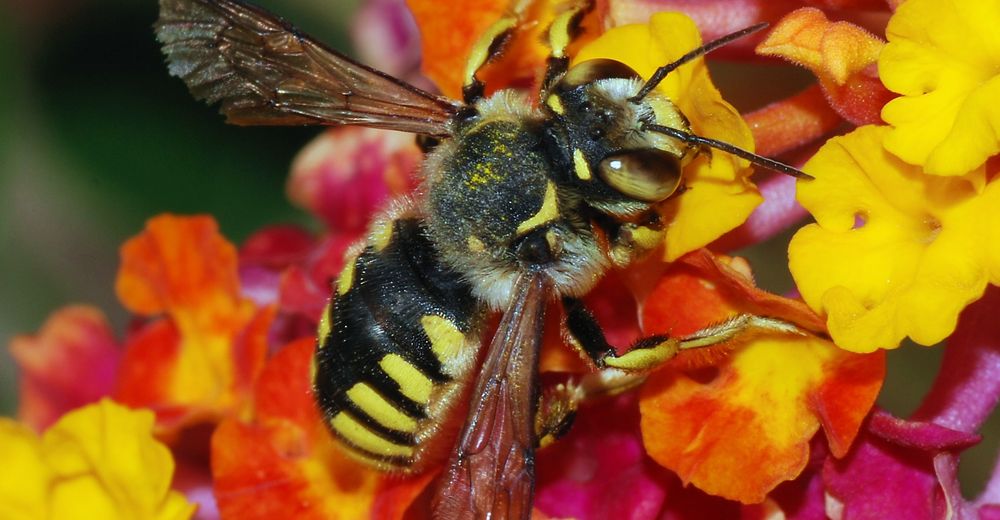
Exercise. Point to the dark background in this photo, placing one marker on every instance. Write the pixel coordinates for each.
(95, 138)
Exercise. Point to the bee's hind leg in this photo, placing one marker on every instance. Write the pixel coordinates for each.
(650, 352)
(618, 373)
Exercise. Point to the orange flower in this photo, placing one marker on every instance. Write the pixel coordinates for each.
(204, 343)
(841, 54)
(739, 426)
(284, 462)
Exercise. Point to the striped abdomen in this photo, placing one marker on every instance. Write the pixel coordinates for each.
(401, 332)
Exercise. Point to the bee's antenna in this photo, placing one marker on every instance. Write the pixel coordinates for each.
(770, 164)
(662, 72)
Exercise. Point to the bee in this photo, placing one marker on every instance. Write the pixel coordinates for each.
(519, 205)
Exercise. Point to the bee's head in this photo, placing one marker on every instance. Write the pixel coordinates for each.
(620, 168)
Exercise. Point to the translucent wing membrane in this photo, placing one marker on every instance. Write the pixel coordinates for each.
(491, 470)
(264, 72)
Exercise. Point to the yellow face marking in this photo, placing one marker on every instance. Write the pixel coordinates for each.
(548, 212)
(481, 50)
(358, 435)
(580, 165)
(476, 245)
(379, 409)
(667, 114)
(344, 283)
(412, 382)
(324, 324)
(555, 104)
(559, 33)
(381, 234)
(446, 339)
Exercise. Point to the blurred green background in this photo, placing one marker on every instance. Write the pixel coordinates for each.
(95, 138)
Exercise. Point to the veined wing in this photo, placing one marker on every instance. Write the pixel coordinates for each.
(491, 471)
(265, 72)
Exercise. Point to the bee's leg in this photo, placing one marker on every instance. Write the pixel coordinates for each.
(564, 29)
(650, 352)
(427, 143)
(556, 410)
(559, 402)
(488, 46)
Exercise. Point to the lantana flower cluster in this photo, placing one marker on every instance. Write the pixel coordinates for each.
(203, 406)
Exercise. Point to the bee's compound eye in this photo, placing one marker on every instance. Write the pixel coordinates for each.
(648, 174)
(592, 70)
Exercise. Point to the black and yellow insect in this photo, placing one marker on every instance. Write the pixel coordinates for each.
(519, 204)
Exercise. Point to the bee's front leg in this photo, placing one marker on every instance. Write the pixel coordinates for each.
(487, 47)
(564, 29)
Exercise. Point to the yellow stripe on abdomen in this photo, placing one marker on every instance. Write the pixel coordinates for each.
(373, 404)
(446, 339)
(412, 382)
(355, 433)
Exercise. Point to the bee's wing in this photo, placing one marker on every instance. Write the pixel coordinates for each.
(266, 73)
(491, 470)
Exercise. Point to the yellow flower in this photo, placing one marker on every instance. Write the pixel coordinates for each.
(721, 195)
(894, 252)
(944, 58)
(99, 461)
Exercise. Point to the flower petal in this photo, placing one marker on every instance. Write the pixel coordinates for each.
(893, 472)
(276, 247)
(742, 424)
(74, 340)
(841, 54)
(347, 173)
(742, 431)
(386, 38)
(447, 36)
(25, 479)
(178, 264)
(599, 470)
(99, 461)
(894, 253)
(289, 460)
(714, 19)
(197, 362)
(946, 120)
(109, 449)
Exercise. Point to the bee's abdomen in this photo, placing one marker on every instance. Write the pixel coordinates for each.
(402, 332)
